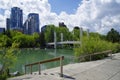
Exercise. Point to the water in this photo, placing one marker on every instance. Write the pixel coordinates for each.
(27, 56)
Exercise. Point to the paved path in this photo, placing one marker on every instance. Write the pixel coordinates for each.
(106, 69)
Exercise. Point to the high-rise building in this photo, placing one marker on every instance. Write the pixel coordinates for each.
(61, 24)
(2, 30)
(31, 25)
(8, 24)
(25, 27)
(43, 28)
(16, 19)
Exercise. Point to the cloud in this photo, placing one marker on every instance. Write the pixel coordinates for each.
(99, 15)
(96, 15)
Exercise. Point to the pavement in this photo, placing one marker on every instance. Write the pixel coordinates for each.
(105, 69)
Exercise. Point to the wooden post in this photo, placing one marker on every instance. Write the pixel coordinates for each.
(45, 61)
(39, 68)
(61, 67)
(30, 69)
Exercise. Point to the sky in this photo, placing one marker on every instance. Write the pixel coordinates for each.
(69, 6)
(96, 15)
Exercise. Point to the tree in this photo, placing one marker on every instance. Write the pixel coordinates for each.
(36, 37)
(113, 36)
(93, 44)
(76, 33)
(42, 40)
(7, 60)
(5, 41)
(49, 33)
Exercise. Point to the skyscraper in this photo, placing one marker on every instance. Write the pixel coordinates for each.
(43, 28)
(2, 30)
(8, 23)
(16, 19)
(61, 24)
(32, 23)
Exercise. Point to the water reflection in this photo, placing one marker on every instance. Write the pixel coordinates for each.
(27, 56)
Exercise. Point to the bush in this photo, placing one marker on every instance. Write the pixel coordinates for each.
(3, 76)
(92, 45)
(116, 48)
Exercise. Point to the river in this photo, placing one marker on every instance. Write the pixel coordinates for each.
(26, 56)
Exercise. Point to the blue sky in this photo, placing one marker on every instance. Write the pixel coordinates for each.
(96, 15)
(69, 6)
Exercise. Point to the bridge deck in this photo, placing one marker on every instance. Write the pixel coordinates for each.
(106, 69)
(64, 42)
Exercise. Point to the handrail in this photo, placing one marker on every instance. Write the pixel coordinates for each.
(45, 61)
(97, 53)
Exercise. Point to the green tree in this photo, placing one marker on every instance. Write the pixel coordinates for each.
(36, 38)
(113, 36)
(42, 40)
(92, 45)
(76, 33)
(66, 34)
(49, 33)
(5, 41)
(7, 60)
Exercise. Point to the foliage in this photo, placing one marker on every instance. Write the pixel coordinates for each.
(42, 40)
(24, 40)
(93, 44)
(3, 76)
(7, 60)
(76, 33)
(116, 47)
(5, 41)
(49, 33)
(113, 36)
(66, 34)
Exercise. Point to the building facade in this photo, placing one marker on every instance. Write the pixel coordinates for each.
(8, 24)
(43, 28)
(16, 19)
(31, 25)
(61, 24)
(2, 30)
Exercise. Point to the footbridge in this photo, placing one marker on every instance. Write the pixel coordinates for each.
(63, 42)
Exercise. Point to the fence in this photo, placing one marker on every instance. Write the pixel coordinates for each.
(46, 61)
(97, 53)
(62, 58)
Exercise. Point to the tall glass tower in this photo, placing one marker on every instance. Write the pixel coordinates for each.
(33, 23)
(16, 19)
(8, 23)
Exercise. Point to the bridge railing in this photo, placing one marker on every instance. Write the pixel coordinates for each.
(46, 61)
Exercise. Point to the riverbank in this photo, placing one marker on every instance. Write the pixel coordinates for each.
(106, 69)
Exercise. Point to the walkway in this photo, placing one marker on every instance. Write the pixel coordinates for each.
(64, 42)
(106, 69)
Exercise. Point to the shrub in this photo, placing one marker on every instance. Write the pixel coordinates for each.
(116, 48)
(3, 76)
(93, 45)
